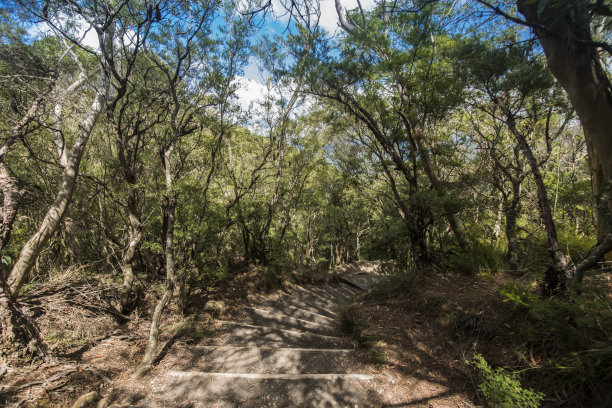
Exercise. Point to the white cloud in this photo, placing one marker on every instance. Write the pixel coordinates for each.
(81, 31)
(251, 71)
(249, 92)
(329, 16)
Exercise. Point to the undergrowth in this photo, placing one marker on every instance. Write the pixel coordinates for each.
(502, 389)
(574, 336)
(560, 347)
(353, 324)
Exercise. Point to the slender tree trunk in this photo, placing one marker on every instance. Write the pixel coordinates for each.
(52, 219)
(512, 253)
(498, 221)
(147, 360)
(432, 175)
(562, 271)
(62, 153)
(412, 218)
(279, 172)
(12, 196)
(416, 136)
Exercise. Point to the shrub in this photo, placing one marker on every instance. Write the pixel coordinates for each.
(502, 389)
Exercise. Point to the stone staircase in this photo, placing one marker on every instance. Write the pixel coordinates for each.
(283, 351)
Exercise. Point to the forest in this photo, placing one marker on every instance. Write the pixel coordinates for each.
(157, 156)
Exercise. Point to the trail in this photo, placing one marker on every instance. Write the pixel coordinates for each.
(283, 350)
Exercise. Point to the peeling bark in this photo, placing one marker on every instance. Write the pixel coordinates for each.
(12, 196)
(135, 236)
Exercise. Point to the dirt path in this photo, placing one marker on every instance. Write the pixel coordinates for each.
(282, 351)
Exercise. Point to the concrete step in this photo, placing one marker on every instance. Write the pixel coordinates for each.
(263, 390)
(325, 306)
(317, 292)
(303, 303)
(298, 313)
(349, 288)
(241, 334)
(362, 280)
(340, 294)
(260, 360)
(273, 318)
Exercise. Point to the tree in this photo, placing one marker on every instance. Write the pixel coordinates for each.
(52, 219)
(185, 92)
(520, 95)
(567, 32)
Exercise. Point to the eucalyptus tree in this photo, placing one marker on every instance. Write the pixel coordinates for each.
(393, 74)
(575, 37)
(133, 111)
(507, 170)
(222, 120)
(57, 16)
(412, 48)
(515, 89)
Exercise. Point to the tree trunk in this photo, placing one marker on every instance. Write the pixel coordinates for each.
(562, 271)
(147, 360)
(52, 219)
(12, 196)
(127, 260)
(579, 70)
(62, 153)
(19, 337)
(498, 221)
(430, 170)
(418, 142)
(512, 253)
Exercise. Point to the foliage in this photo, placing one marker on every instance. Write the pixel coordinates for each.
(389, 142)
(575, 335)
(502, 389)
(479, 257)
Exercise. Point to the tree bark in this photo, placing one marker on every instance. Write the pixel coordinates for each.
(562, 271)
(147, 360)
(419, 143)
(134, 239)
(62, 154)
(512, 253)
(579, 70)
(432, 175)
(52, 219)
(12, 196)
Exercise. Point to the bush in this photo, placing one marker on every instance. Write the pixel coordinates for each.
(502, 389)
(574, 335)
(477, 258)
